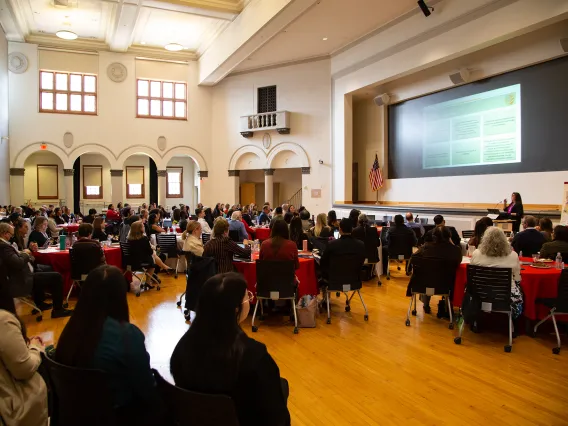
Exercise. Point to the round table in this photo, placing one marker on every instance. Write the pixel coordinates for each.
(60, 261)
(306, 275)
(536, 283)
(74, 227)
(262, 234)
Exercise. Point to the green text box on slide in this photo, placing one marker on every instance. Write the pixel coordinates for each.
(499, 151)
(437, 155)
(466, 153)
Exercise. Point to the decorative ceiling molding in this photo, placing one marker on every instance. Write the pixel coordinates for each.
(227, 6)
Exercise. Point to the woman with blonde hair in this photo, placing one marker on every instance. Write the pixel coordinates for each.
(192, 239)
(141, 248)
(321, 229)
(495, 251)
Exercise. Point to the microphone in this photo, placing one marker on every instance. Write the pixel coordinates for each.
(416, 218)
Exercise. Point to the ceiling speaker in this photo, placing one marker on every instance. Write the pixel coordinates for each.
(383, 99)
(460, 77)
(564, 44)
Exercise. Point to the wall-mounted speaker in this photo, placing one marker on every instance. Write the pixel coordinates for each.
(564, 44)
(383, 99)
(463, 76)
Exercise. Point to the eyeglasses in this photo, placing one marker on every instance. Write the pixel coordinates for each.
(250, 296)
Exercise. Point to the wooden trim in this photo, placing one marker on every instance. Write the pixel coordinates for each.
(168, 195)
(143, 194)
(68, 93)
(92, 197)
(48, 197)
(482, 206)
(151, 98)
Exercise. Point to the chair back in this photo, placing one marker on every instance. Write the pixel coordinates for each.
(234, 235)
(344, 272)
(84, 261)
(491, 285)
(80, 396)
(128, 260)
(468, 234)
(196, 409)
(275, 279)
(400, 243)
(423, 220)
(205, 238)
(562, 297)
(123, 232)
(319, 243)
(199, 270)
(432, 276)
(168, 244)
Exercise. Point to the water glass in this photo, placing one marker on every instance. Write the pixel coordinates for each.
(536, 257)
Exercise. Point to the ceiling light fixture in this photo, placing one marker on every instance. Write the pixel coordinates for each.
(66, 35)
(324, 39)
(173, 47)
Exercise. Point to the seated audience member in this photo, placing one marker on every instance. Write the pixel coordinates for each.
(209, 218)
(24, 393)
(480, 226)
(21, 231)
(140, 247)
(126, 212)
(112, 215)
(250, 231)
(39, 235)
(192, 239)
(346, 244)
(291, 208)
(236, 224)
(263, 217)
(354, 217)
(305, 217)
(297, 234)
(125, 228)
(288, 217)
(58, 216)
(99, 229)
(439, 221)
(545, 228)
(215, 356)
(183, 225)
(411, 224)
(66, 214)
(277, 215)
(495, 252)
(369, 236)
(440, 248)
(285, 208)
(332, 221)
(279, 246)
(176, 216)
(153, 226)
(205, 228)
(91, 217)
(222, 248)
(400, 238)
(321, 229)
(86, 246)
(16, 266)
(52, 226)
(248, 214)
(100, 336)
(558, 245)
(530, 240)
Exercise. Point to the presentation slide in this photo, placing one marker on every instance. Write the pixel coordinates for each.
(474, 130)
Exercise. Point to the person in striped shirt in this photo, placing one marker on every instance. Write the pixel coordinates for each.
(222, 248)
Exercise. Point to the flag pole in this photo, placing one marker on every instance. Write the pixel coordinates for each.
(377, 191)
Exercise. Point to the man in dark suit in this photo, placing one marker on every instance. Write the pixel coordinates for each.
(264, 217)
(400, 240)
(369, 236)
(440, 221)
(87, 249)
(346, 244)
(530, 240)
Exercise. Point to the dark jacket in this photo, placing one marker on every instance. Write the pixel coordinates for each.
(528, 241)
(551, 249)
(263, 219)
(344, 245)
(141, 251)
(99, 235)
(429, 237)
(200, 270)
(37, 237)
(14, 270)
(519, 213)
(371, 239)
(400, 240)
(257, 392)
(89, 252)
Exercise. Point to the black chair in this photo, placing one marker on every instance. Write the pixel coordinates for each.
(468, 234)
(491, 288)
(199, 270)
(275, 280)
(205, 238)
(234, 235)
(196, 409)
(133, 265)
(344, 277)
(431, 277)
(319, 243)
(168, 246)
(80, 396)
(372, 259)
(399, 248)
(558, 306)
(81, 265)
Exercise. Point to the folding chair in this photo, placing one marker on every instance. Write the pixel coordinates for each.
(81, 266)
(168, 246)
(344, 277)
(129, 264)
(431, 277)
(22, 291)
(234, 235)
(492, 287)
(558, 306)
(205, 238)
(372, 260)
(399, 250)
(196, 409)
(468, 234)
(275, 280)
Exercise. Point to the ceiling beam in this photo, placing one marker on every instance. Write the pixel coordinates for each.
(121, 33)
(13, 20)
(189, 10)
(226, 6)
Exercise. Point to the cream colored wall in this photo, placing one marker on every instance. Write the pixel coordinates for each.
(97, 160)
(4, 144)
(188, 182)
(30, 178)
(290, 181)
(143, 161)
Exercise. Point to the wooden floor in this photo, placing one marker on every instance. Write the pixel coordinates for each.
(380, 372)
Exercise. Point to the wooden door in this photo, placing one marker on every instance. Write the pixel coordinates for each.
(248, 191)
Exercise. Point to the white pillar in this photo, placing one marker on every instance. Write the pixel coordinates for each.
(162, 187)
(234, 185)
(68, 181)
(17, 187)
(116, 187)
(269, 186)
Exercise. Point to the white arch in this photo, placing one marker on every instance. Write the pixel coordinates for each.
(94, 149)
(141, 149)
(288, 146)
(246, 149)
(21, 156)
(188, 151)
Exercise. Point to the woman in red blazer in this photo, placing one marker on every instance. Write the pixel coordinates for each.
(279, 246)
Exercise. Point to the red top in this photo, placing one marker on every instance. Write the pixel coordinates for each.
(287, 251)
(249, 230)
(112, 215)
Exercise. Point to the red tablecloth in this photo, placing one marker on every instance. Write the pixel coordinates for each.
(262, 233)
(61, 263)
(74, 227)
(306, 274)
(536, 283)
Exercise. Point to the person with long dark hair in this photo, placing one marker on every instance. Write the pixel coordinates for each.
(209, 218)
(216, 356)
(297, 234)
(354, 217)
(480, 227)
(514, 210)
(332, 221)
(100, 336)
(279, 246)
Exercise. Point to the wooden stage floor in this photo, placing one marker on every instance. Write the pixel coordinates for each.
(381, 372)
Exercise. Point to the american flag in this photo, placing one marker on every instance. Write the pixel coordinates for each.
(376, 176)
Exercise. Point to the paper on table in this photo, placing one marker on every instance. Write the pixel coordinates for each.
(466, 259)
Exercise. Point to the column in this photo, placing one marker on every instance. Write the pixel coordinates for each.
(234, 185)
(268, 187)
(68, 180)
(161, 187)
(17, 187)
(117, 188)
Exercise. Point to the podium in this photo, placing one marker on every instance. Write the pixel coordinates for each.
(505, 225)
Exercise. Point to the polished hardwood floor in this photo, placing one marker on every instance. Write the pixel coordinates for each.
(381, 372)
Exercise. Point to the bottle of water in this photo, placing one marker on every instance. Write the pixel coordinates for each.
(558, 261)
(109, 240)
(520, 254)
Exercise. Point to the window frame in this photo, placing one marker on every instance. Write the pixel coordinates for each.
(92, 197)
(180, 195)
(143, 192)
(69, 92)
(258, 103)
(48, 197)
(150, 98)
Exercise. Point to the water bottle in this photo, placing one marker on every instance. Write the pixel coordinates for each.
(559, 261)
(109, 240)
(520, 254)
